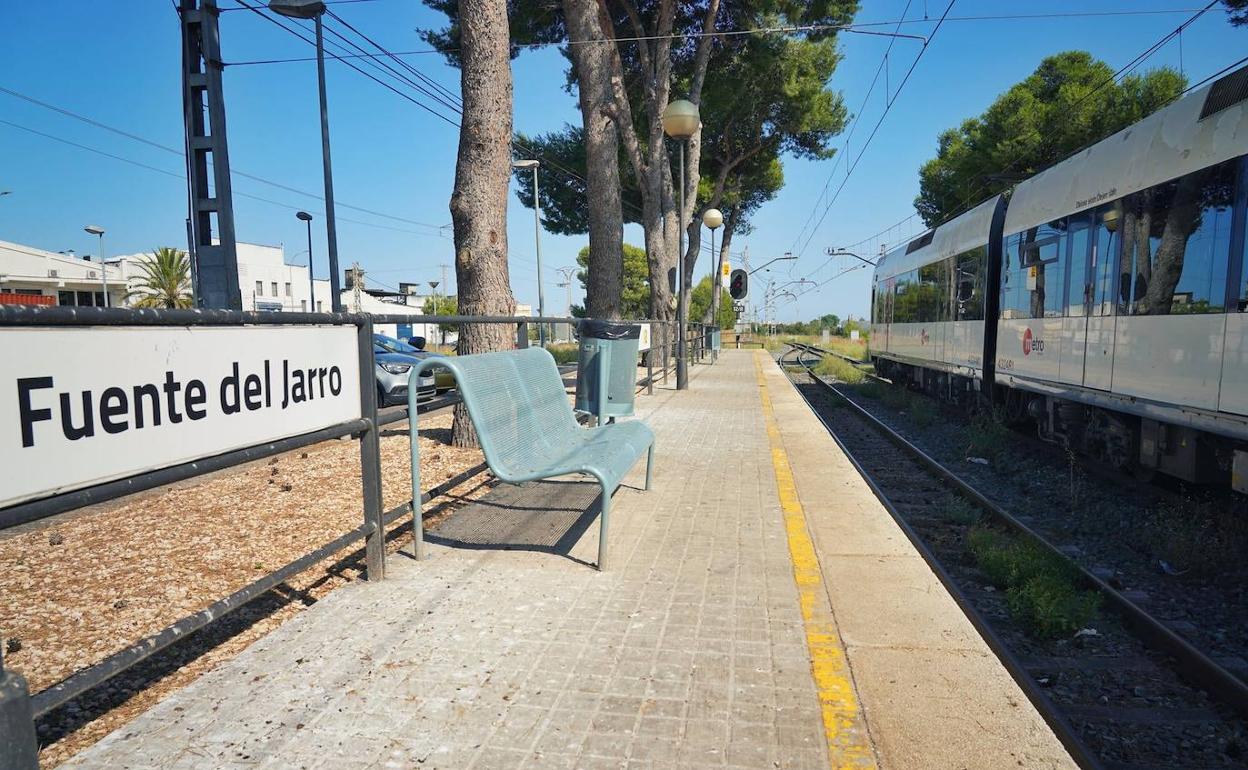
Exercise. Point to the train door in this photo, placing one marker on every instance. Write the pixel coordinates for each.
(1098, 360)
(1078, 299)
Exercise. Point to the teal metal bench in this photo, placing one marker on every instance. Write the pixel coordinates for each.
(527, 429)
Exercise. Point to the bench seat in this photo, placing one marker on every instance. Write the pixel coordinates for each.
(528, 431)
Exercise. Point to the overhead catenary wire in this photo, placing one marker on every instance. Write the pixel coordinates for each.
(973, 197)
(887, 108)
(180, 153)
(853, 28)
(182, 177)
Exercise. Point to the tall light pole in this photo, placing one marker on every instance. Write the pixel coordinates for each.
(437, 310)
(681, 121)
(304, 216)
(567, 273)
(713, 218)
(97, 230)
(537, 238)
(314, 9)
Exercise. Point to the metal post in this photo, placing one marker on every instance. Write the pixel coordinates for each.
(522, 335)
(413, 434)
(682, 375)
(19, 749)
(211, 194)
(537, 237)
(311, 279)
(104, 273)
(650, 365)
(370, 456)
(331, 225)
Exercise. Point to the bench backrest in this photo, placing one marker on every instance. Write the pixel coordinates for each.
(518, 405)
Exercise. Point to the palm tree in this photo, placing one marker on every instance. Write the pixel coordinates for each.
(165, 281)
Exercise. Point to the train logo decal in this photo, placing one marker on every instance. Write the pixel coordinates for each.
(1031, 345)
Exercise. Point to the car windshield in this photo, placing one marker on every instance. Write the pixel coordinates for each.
(394, 346)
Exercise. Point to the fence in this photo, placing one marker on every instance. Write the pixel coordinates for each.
(18, 710)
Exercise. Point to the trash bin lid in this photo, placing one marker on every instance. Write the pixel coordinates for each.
(608, 330)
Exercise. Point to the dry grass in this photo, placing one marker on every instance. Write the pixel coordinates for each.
(88, 584)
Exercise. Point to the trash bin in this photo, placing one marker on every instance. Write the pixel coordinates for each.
(608, 354)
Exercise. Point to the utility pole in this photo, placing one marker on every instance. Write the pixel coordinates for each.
(567, 273)
(357, 286)
(214, 257)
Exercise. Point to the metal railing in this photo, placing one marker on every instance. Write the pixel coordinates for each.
(19, 710)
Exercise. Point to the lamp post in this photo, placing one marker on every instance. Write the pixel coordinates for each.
(314, 9)
(681, 121)
(97, 230)
(305, 217)
(537, 239)
(713, 218)
(437, 310)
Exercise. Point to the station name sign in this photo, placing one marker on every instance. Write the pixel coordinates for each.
(87, 405)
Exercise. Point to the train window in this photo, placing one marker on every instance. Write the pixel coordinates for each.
(968, 285)
(1014, 296)
(932, 302)
(902, 296)
(1079, 290)
(1043, 249)
(1177, 237)
(1105, 247)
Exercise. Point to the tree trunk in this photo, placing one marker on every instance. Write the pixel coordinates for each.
(592, 64)
(482, 173)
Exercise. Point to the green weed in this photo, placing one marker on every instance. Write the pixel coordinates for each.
(923, 411)
(959, 511)
(1198, 537)
(1041, 589)
(987, 436)
(840, 370)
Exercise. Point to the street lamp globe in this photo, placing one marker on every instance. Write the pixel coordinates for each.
(298, 9)
(680, 119)
(713, 218)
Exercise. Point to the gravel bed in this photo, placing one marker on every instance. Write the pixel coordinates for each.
(1100, 519)
(1123, 699)
(81, 586)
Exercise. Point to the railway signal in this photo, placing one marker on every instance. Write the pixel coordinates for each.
(738, 284)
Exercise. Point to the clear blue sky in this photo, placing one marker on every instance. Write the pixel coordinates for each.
(118, 62)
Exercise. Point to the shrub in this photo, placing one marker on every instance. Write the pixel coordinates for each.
(1041, 589)
(987, 436)
(1052, 607)
(840, 370)
(923, 411)
(959, 511)
(1199, 537)
(564, 354)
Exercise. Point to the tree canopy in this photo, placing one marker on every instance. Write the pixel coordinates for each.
(164, 280)
(636, 295)
(1069, 102)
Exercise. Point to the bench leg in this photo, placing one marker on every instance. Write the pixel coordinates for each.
(649, 465)
(602, 528)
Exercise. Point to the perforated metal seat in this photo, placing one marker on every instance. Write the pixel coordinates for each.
(528, 431)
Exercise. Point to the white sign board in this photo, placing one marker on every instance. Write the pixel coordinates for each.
(643, 341)
(88, 405)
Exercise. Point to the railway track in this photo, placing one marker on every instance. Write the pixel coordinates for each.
(1123, 693)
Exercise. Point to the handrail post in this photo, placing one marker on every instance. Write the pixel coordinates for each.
(19, 749)
(522, 335)
(370, 456)
(650, 366)
(413, 434)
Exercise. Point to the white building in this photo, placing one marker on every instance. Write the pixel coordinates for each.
(265, 280)
(30, 276)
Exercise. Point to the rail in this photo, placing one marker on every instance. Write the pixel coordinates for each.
(18, 710)
(1194, 664)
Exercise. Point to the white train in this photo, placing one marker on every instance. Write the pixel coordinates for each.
(1105, 298)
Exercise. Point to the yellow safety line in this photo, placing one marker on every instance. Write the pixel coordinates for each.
(848, 745)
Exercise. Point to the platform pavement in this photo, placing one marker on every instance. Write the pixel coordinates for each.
(715, 639)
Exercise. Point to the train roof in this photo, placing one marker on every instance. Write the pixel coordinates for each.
(1206, 127)
(962, 233)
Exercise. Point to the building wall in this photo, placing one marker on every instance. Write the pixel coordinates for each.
(33, 276)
